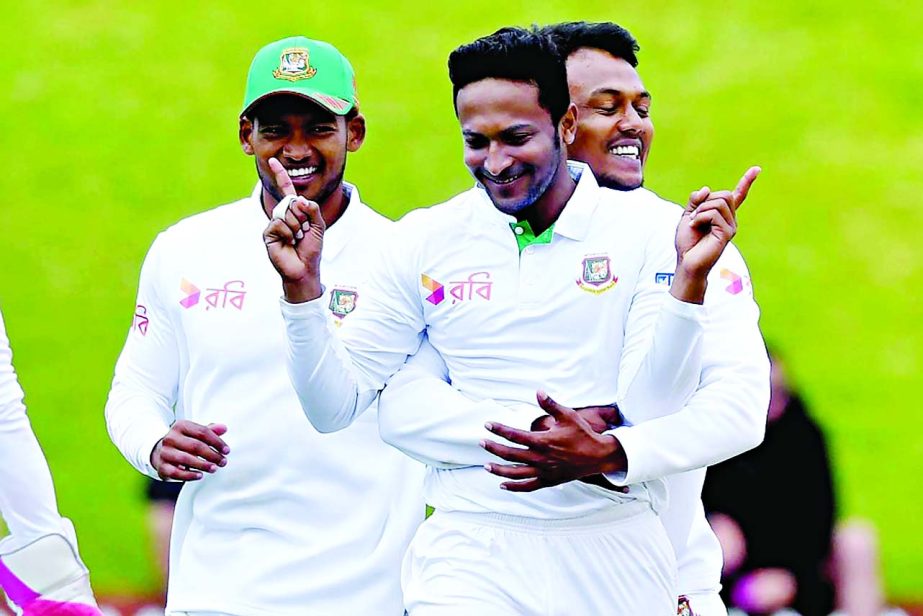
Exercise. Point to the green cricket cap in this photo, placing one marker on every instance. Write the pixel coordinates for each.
(304, 67)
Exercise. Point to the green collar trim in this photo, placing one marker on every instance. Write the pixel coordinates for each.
(526, 237)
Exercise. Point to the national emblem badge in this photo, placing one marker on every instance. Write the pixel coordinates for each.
(596, 276)
(294, 65)
(342, 302)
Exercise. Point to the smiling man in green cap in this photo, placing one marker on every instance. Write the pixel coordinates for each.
(274, 517)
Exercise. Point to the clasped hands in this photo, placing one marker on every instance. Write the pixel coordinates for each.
(564, 445)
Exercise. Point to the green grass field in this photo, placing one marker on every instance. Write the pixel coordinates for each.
(119, 120)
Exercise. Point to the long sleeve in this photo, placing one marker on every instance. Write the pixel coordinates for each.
(662, 355)
(727, 413)
(27, 498)
(139, 411)
(338, 374)
(424, 416)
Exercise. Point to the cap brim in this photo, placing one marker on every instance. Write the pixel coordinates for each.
(334, 105)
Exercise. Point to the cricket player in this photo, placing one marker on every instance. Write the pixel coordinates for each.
(535, 278)
(40, 569)
(274, 517)
(725, 416)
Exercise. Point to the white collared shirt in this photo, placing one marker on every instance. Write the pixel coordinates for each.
(424, 416)
(583, 318)
(297, 520)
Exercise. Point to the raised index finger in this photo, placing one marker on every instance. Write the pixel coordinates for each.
(743, 186)
(281, 176)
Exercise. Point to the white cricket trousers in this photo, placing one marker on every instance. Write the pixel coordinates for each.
(618, 562)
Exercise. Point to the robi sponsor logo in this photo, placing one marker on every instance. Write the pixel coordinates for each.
(230, 295)
(477, 286)
(436, 289)
(737, 283)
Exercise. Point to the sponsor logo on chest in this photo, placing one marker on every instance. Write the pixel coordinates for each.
(477, 287)
(229, 296)
(596, 274)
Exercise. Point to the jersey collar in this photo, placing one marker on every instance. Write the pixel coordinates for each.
(576, 217)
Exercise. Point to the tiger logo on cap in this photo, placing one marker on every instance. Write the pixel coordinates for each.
(294, 65)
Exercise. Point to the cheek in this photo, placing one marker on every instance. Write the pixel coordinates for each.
(474, 158)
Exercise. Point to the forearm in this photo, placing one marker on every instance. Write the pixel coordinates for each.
(320, 368)
(135, 423)
(727, 413)
(27, 499)
(666, 375)
(432, 422)
(705, 432)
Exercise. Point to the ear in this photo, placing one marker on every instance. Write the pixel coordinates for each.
(355, 133)
(245, 133)
(569, 125)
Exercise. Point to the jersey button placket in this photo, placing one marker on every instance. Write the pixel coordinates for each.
(529, 273)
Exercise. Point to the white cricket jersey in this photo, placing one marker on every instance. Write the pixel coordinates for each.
(297, 522)
(431, 421)
(581, 317)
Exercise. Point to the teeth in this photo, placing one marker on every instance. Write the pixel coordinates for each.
(508, 180)
(297, 173)
(626, 150)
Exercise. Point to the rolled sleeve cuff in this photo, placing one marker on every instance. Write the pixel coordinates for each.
(695, 313)
(304, 311)
(147, 440)
(639, 467)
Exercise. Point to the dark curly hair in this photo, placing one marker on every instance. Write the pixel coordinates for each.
(515, 54)
(606, 36)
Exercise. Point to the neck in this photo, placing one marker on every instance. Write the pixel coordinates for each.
(331, 208)
(545, 211)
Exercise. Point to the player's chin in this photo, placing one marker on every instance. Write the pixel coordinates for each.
(622, 181)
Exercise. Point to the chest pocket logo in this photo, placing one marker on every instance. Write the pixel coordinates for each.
(596, 274)
(342, 302)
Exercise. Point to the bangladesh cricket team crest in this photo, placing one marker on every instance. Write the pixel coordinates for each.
(342, 302)
(294, 65)
(596, 274)
(683, 608)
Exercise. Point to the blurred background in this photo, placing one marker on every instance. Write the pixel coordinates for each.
(120, 118)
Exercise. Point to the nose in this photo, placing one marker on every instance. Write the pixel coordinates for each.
(296, 148)
(497, 160)
(630, 122)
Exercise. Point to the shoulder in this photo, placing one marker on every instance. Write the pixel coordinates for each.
(640, 208)
(430, 220)
(186, 236)
(206, 221)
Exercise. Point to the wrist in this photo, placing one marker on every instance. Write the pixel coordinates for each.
(302, 290)
(689, 286)
(155, 454)
(615, 460)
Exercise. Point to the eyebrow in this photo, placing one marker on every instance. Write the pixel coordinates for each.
(508, 129)
(614, 92)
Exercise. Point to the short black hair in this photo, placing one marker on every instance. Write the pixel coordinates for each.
(605, 35)
(516, 54)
